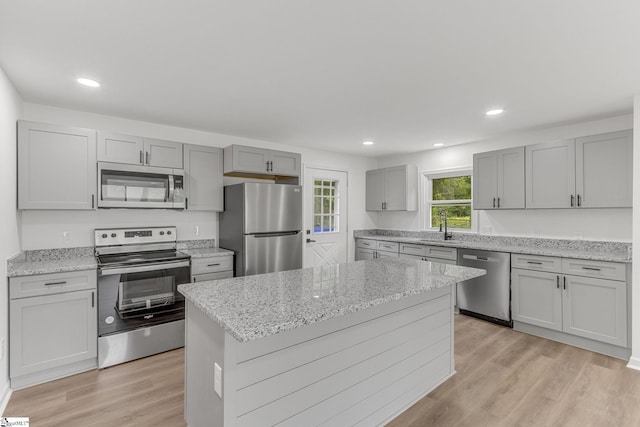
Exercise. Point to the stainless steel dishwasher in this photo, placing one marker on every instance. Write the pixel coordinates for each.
(487, 297)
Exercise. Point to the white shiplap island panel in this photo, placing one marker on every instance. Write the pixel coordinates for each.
(346, 344)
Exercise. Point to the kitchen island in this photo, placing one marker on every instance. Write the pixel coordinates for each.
(343, 344)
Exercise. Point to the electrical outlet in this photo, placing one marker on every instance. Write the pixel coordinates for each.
(217, 379)
(196, 230)
(485, 230)
(66, 236)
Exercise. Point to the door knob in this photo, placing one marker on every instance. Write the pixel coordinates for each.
(310, 241)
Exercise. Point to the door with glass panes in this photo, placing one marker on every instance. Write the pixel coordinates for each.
(325, 217)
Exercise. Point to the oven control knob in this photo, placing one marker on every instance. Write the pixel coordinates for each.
(168, 232)
(113, 234)
(109, 320)
(104, 235)
(162, 233)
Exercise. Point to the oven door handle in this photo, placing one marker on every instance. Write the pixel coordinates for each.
(142, 268)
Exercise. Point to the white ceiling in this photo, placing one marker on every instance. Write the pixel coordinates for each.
(330, 73)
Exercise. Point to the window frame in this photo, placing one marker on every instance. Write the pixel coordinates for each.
(427, 196)
(336, 199)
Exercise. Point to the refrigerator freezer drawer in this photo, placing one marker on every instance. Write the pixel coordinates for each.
(267, 253)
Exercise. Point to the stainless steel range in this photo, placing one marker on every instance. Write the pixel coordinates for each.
(140, 311)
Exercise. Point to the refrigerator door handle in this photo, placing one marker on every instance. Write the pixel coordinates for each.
(285, 233)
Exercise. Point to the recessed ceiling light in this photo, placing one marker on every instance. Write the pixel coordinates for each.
(438, 144)
(494, 112)
(88, 82)
(367, 143)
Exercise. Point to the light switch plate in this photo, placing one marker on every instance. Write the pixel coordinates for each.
(217, 379)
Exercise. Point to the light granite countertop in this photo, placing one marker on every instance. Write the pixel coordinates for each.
(579, 249)
(45, 261)
(253, 307)
(206, 252)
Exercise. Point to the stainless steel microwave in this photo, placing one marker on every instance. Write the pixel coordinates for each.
(136, 186)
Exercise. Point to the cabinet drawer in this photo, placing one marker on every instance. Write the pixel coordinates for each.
(410, 249)
(54, 283)
(598, 269)
(388, 246)
(211, 265)
(366, 243)
(536, 262)
(211, 276)
(441, 252)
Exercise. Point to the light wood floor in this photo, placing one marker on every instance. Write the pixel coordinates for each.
(505, 378)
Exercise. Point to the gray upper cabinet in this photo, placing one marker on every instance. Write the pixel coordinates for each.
(375, 194)
(118, 148)
(203, 178)
(604, 170)
(588, 172)
(165, 154)
(498, 179)
(550, 175)
(56, 167)
(242, 160)
(392, 189)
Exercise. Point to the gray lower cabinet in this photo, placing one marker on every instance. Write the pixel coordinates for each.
(582, 298)
(52, 326)
(211, 268)
(203, 178)
(56, 167)
(370, 249)
(429, 253)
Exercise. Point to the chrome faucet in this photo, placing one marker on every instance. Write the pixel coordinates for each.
(447, 234)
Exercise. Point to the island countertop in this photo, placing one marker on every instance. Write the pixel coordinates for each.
(253, 307)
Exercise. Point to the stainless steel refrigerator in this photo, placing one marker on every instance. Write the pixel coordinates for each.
(262, 224)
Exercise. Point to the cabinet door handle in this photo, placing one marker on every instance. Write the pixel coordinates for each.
(498, 202)
(271, 165)
(146, 157)
(494, 202)
(55, 283)
(572, 200)
(591, 268)
(93, 299)
(310, 241)
(141, 158)
(534, 262)
(558, 282)
(213, 265)
(579, 200)
(186, 203)
(93, 201)
(564, 282)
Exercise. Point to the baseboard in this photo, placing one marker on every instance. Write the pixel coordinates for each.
(5, 395)
(623, 353)
(634, 363)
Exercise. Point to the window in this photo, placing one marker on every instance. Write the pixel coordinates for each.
(450, 193)
(326, 199)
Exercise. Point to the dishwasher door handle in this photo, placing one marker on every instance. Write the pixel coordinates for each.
(475, 257)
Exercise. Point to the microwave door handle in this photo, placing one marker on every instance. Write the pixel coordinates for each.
(143, 268)
(169, 197)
